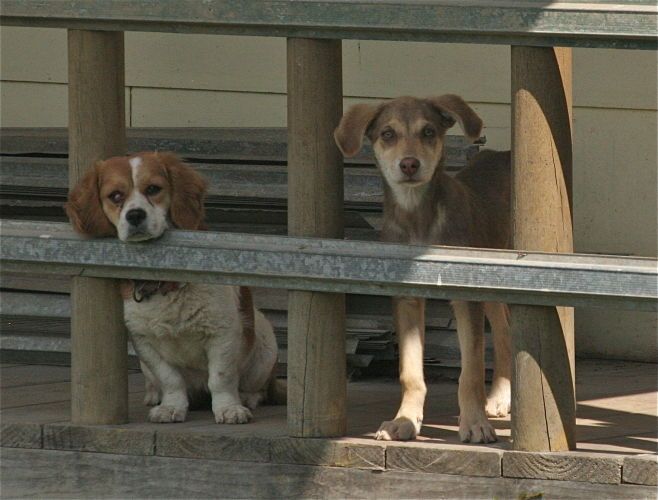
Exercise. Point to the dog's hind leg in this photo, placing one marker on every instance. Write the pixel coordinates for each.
(473, 424)
(151, 386)
(409, 317)
(500, 395)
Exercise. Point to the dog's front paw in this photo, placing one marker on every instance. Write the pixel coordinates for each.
(400, 429)
(233, 414)
(476, 430)
(163, 414)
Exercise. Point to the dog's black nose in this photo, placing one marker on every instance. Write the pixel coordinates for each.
(409, 165)
(135, 216)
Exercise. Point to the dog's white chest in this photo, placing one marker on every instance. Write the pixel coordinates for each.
(179, 324)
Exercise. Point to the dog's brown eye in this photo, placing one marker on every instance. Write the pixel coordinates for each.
(152, 190)
(116, 197)
(388, 134)
(429, 132)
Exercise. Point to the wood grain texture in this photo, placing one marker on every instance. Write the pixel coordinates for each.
(328, 453)
(642, 469)
(543, 400)
(202, 445)
(22, 375)
(442, 461)
(98, 439)
(49, 474)
(586, 467)
(99, 360)
(316, 321)
(20, 435)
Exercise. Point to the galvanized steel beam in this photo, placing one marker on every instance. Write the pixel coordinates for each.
(611, 24)
(339, 266)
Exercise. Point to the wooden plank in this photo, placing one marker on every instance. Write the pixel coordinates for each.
(20, 435)
(48, 473)
(205, 445)
(317, 385)
(249, 183)
(642, 469)
(339, 266)
(27, 302)
(444, 461)
(25, 375)
(16, 397)
(543, 389)
(51, 392)
(98, 439)
(256, 145)
(327, 452)
(99, 361)
(613, 24)
(589, 467)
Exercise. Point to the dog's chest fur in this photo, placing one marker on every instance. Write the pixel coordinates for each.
(471, 209)
(179, 324)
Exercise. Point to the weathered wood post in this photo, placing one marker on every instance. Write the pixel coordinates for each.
(99, 359)
(316, 321)
(543, 397)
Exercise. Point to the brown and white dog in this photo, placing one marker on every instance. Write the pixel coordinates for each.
(189, 337)
(423, 205)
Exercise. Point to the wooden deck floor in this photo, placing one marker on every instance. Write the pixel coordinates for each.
(617, 429)
(617, 407)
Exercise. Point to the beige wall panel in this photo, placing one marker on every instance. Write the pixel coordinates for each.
(615, 180)
(33, 105)
(602, 78)
(615, 210)
(602, 333)
(208, 62)
(181, 108)
(37, 105)
(389, 69)
(610, 78)
(33, 54)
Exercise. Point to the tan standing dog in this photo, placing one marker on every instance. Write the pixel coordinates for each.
(423, 205)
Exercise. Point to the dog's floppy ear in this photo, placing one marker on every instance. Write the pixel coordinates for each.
(84, 208)
(353, 127)
(188, 192)
(453, 108)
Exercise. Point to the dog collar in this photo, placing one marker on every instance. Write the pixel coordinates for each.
(145, 289)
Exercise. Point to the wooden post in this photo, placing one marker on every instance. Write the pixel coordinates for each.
(317, 383)
(99, 357)
(543, 387)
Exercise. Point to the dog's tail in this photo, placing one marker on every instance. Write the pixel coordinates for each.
(277, 391)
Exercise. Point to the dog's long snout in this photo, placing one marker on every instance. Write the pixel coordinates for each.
(409, 165)
(135, 216)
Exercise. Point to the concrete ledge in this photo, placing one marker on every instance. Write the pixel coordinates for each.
(575, 466)
(443, 461)
(99, 439)
(642, 469)
(21, 436)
